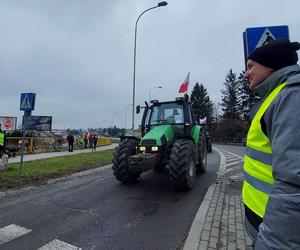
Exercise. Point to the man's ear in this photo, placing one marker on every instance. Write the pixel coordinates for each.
(270, 70)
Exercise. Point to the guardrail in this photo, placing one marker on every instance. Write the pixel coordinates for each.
(229, 140)
(47, 144)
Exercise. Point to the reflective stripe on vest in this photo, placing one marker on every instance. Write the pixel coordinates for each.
(258, 178)
(1, 138)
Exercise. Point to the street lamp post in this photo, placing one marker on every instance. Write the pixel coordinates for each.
(161, 4)
(111, 121)
(158, 87)
(126, 114)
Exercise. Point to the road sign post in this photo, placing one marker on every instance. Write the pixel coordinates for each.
(27, 103)
(26, 114)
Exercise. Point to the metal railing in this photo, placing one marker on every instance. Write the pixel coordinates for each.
(229, 140)
(47, 144)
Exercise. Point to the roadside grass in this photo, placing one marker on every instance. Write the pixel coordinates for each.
(39, 171)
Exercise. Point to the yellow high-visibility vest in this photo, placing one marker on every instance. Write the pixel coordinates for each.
(258, 177)
(1, 138)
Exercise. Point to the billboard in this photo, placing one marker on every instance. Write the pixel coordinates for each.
(39, 123)
(8, 123)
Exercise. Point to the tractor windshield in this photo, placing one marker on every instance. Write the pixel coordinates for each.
(166, 113)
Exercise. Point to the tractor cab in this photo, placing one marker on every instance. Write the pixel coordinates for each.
(176, 113)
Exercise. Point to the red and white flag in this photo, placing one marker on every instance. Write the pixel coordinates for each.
(184, 86)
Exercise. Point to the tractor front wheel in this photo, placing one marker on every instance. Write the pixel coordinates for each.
(182, 164)
(120, 161)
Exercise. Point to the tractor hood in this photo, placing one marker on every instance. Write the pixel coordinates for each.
(159, 136)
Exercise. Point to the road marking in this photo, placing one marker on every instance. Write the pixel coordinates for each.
(222, 167)
(11, 232)
(240, 157)
(232, 169)
(232, 163)
(57, 244)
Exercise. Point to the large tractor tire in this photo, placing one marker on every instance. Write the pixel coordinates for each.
(182, 164)
(120, 161)
(202, 147)
(209, 145)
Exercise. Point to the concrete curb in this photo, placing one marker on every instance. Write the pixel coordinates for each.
(193, 238)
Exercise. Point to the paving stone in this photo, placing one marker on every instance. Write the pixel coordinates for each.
(240, 234)
(217, 217)
(231, 221)
(223, 241)
(205, 235)
(213, 242)
(240, 244)
(209, 219)
(218, 211)
(210, 213)
(207, 226)
(215, 232)
(231, 246)
(223, 233)
(216, 223)
(231, 228)
(239, 219)
(203, 245)
(239, 226)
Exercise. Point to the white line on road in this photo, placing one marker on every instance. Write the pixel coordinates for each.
(230, 157)
(238, 156)
(11, 232)
(232, 163)
(57, 244)
(222, 167)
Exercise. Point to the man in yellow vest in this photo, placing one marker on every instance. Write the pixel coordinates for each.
(2, 142)
(271, 190)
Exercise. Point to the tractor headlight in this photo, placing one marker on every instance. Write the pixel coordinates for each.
(154, 149)
(142, 149)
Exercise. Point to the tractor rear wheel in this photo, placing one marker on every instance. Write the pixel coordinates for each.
(201, 167)
(120, 161)
(182, 164)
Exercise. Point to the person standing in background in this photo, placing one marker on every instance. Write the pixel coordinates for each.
(86, 139)
(70, 140)
(2, 141)
(95, 140)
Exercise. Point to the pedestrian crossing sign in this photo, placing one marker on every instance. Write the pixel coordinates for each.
(27, 101)
(256, 37)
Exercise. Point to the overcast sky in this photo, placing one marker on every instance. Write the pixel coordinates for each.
(77, 56)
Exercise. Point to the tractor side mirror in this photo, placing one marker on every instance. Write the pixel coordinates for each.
(138, 109)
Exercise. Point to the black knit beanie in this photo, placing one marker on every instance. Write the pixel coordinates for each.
(276, 54)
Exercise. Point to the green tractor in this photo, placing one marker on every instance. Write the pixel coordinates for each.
(170, 138)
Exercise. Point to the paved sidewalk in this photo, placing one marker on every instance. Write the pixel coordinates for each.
(32, 157)
(219, 223)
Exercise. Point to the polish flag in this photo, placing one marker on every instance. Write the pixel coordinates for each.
(184, 86)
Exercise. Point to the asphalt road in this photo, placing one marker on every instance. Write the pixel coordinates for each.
(95, 211)
(238, 150)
